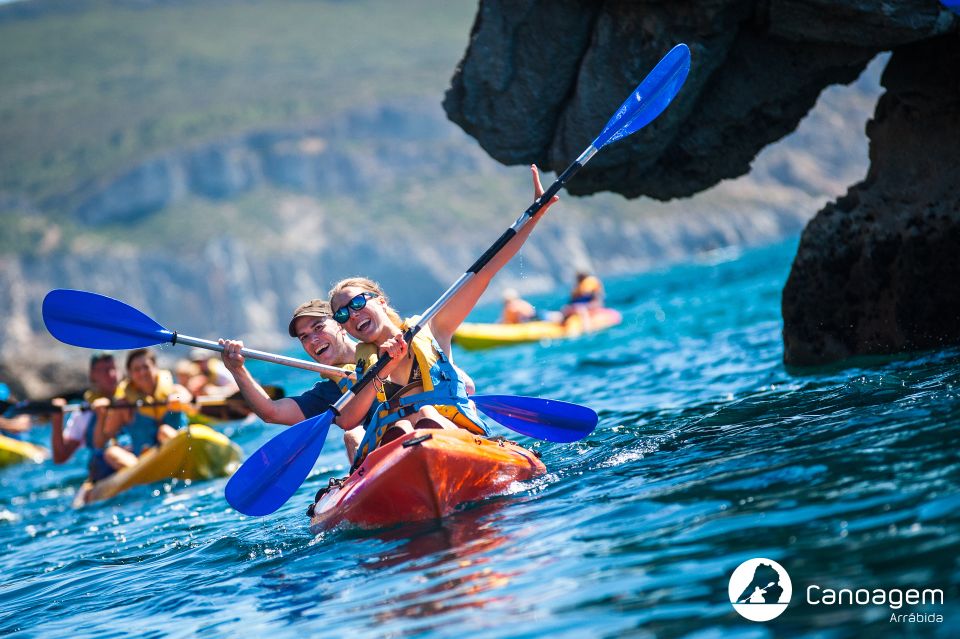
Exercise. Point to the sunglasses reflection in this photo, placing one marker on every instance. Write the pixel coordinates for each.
(358, 302)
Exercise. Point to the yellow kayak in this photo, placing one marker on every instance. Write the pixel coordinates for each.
(478, 336)
(14, 451)
(196, 452)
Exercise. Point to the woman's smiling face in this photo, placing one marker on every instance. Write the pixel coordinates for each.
(367, 323)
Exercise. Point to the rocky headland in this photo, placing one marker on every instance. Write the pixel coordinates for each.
(876, 269)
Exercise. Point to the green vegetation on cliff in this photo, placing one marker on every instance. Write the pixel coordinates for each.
(89, 88)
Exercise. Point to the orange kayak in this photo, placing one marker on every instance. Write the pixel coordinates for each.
(423, 475)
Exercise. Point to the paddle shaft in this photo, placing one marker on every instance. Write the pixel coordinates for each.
(477, 266)
(259, 487)
(263, 356)
(46, 408)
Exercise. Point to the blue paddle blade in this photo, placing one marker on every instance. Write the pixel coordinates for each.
(650, 98)
(547, 419)
(90, 320)
(270, 476)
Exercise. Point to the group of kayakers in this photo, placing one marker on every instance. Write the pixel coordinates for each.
(587, 295)
(123, 416)
(420, 387)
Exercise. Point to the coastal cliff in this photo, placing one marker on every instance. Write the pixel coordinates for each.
(224, 240)
(758, 68)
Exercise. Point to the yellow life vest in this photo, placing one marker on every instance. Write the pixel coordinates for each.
(343, 383)
(589, 286)
(89, 395)
(154, 406)
(153, 412)
(433, 368)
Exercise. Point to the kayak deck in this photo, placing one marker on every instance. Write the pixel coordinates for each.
(423, 475)
(475, 336)
(196, 452)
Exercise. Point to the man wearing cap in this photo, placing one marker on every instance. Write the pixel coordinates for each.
(326, 342)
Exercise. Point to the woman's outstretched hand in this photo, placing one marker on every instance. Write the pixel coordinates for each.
(538, 189)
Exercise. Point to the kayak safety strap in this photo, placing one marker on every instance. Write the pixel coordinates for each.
(173, 341)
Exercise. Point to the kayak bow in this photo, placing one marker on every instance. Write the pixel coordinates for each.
(426, 474)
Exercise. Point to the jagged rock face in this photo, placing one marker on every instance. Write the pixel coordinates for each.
(877, 271)
(540, 78)
(138, 193)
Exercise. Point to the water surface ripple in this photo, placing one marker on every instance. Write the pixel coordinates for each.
(708, 453)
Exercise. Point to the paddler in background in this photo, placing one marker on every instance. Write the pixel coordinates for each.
(208, 375)
(516, 310)
(420, 387)
(325, 342)
(13, 427)
(184, 371)
(81, 426)
(587, 294)
(160, 413)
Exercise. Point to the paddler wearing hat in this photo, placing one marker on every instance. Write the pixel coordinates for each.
(325, 342)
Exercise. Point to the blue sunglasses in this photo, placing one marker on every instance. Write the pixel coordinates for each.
(342, 314)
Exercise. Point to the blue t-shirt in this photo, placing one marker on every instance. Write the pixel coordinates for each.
(318, 399)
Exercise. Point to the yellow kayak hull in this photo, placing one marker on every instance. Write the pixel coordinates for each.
(13, 451)
(479, 336)
(195, 453)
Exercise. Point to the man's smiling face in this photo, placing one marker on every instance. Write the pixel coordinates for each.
(320, 338)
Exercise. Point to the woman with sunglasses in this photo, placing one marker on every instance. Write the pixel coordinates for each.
(420, 387)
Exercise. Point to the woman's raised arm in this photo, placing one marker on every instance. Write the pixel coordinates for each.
(448, 319)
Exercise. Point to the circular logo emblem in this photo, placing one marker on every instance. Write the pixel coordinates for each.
(760, 589)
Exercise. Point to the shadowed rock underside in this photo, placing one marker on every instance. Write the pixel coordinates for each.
(876, 270)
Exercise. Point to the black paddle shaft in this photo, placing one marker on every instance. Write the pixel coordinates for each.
(531, 212)
(373, 372)
(495, 248)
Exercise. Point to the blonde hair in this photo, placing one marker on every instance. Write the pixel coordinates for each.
(370, 286)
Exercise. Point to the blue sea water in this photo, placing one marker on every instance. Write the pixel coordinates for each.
(708, 453)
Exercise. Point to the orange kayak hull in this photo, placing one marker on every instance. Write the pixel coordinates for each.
(423, 475)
